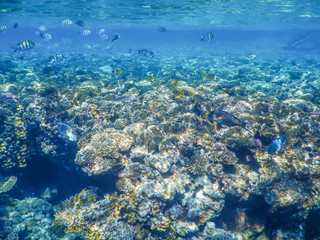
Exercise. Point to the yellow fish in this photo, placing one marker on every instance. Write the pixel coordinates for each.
(201, 90)
(182, 92)
(117, 71)
(151, 78)
(174, 85)
(209, 76)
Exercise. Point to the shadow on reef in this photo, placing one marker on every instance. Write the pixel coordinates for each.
(43, 174)
(260, 214)
(245, 156)
(312, 225)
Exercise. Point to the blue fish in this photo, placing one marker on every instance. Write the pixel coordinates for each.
(115, 37)
(65, 131)
(228, 119)
(276, 145)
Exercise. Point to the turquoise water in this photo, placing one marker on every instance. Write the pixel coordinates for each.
(159, 119)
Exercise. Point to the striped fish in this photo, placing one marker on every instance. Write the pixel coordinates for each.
(85, 32)
(207, 37)
(103, 35)
(67, 22)
(46, 36)
(25, 45)
(3, 29)
(56, 58)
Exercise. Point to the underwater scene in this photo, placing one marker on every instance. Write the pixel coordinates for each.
(149, 120)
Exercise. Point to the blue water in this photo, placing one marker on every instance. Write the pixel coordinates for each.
(268, 49)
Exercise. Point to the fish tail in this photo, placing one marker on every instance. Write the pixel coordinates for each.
(53, 119)
(245, 126)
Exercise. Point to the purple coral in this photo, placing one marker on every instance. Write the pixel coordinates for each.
(218, 146)
(258, 143)
(7, 97)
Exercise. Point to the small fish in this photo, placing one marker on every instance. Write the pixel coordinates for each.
(182, 92)
(117, 71)
(206, 37)
(151, 78)
(86, 32)
(56, 58)
(252, 56)
(80, 23)
(46, 36)
(65, 131)
(103, 35)
(162, 29)
(67, 22)
(115, 37)
(228, 119)
(132, 98)
(201, 90)
(210, 76)
(25, 45)
(276, 145)
(15, 26)
(147, 53)
(43, 28)
(3, 29)
(173, 85)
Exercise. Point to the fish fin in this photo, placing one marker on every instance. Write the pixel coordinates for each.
(245, 127)
(63, 137)
(257, 134)
(209, 116)
(203, 74)
(53, 119)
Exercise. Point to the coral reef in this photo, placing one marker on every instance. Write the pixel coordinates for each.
(32, 215)
(13, 148)
(176, 175)
(93, 219)
(104, 152)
